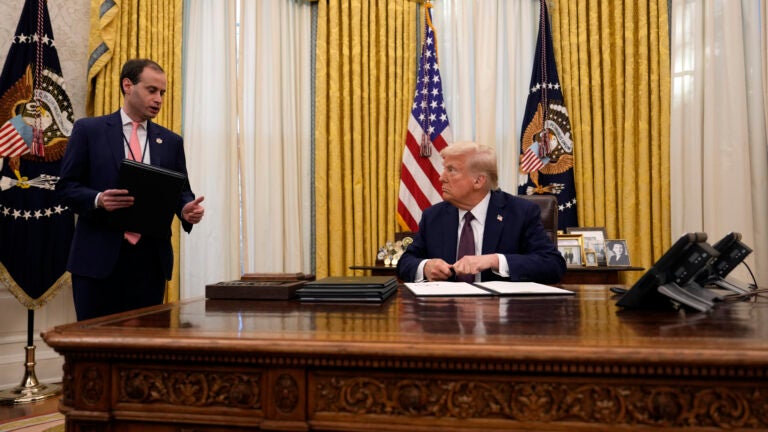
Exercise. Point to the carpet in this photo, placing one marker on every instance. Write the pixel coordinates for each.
(53, 422)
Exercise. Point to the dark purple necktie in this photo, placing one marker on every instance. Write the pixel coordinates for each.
(466, 245)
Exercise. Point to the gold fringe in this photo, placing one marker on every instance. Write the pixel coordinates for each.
(7, 281)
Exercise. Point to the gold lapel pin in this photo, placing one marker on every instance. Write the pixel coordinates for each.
(159, 140)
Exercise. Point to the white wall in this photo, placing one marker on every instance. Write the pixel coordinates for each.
(70, 21)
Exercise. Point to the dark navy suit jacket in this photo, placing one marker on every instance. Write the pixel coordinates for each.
(90, 165)
(512, 227)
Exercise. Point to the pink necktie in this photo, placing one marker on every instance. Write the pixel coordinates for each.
(135, 154)
(466, 245)
(134, 143)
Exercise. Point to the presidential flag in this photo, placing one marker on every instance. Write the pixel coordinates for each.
(546, 144)
(428, 134)
(36, 119)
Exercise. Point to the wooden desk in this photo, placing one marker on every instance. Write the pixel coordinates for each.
(566, 363)
(574, 275)
(377, 270)
(595, 275)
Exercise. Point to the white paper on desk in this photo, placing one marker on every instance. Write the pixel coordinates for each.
(521, 288)
(445, 289)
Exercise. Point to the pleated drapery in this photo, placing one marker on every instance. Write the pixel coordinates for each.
(212, 252)
(125, 29)
(613, 58)
(274, 108)
(718, 131)
(365, 74)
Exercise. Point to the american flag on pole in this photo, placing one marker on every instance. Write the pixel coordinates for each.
(14, 136)
(428, 134)
(546, 144)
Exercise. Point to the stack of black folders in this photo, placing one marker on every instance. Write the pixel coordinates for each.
(259, 286)
(354, 289)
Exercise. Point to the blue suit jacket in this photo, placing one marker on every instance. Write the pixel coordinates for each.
(512, 227)
(91, 165)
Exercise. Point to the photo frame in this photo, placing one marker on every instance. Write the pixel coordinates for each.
(593, 238)
(590, 258)
(572, 249)
(618, 257)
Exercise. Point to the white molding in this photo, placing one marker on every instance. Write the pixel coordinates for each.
(13, 338)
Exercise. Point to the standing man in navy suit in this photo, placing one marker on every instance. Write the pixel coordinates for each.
(113, 271)
(510, 243)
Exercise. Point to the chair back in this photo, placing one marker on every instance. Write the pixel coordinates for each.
(548, 206)
(403, 234)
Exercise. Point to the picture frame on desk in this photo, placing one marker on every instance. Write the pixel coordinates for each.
(590, 258)
(620, 256)
(572, 249)
(593, 238)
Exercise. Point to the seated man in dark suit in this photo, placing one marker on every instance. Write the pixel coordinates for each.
(506, 230)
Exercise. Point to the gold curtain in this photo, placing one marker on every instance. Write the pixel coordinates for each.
(613, 59)
(364, 83)
(125, 29)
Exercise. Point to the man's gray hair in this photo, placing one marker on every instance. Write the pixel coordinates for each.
(481, 159)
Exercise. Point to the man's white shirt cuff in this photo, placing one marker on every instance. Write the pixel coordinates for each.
(420, 272)
(503, 266)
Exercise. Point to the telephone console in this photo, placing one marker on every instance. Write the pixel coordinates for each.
(672, 279)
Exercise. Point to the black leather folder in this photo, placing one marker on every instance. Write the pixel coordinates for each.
(156, 193)
(349, 289)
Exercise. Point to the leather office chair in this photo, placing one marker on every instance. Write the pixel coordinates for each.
(548, 206)
(403, 234)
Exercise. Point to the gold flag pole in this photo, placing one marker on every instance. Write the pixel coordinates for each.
(30, 389)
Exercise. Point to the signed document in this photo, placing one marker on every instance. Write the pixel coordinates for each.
(502, 288)
(445, 289)
(521, 288)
